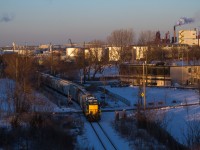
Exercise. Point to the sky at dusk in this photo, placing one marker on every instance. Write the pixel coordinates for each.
(43, 21)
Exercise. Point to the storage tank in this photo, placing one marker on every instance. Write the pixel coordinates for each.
(71, 52)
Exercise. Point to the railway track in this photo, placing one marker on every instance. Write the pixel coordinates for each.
(103, 137)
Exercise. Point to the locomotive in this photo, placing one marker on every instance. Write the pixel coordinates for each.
(88, 103)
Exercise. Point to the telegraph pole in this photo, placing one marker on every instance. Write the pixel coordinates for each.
(51, 53)
(144, 86)
(84, 64)
(198, 36)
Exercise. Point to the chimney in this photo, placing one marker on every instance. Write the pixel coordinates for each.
(174, 34)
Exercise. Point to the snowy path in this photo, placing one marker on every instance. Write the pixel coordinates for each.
(90, 141)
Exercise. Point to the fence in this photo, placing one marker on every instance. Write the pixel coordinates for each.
(122, 99)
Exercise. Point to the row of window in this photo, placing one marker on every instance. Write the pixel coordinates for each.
(148, 70)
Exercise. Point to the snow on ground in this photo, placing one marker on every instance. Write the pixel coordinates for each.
(179, 117)
(155, 94)
(111, 102)
(179, 120)
(89, 140)
(107, 119)
(6, 88)
(39, 102)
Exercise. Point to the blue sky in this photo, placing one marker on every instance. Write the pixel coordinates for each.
(45, 21)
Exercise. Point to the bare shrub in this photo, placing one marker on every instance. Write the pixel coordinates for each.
(147, 120)
(192, 134)
(140, 139)
(39, 132)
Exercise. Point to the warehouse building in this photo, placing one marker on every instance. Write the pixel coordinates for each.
(159, 74)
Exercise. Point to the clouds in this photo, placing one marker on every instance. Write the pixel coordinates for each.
(7, 17)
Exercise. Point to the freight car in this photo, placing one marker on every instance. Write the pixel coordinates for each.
(88, 103)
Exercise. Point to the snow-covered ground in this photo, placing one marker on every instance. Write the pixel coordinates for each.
(181, 119)
(178, 117)
(90, 141)
(39, 102)
(154, 94)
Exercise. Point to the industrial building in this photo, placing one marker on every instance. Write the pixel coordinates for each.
(159, 74)
(189, 37)
(154, 75)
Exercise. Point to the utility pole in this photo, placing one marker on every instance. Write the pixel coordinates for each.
(199, 90)
(84, 69)
(17, 67)
(182, 70)
(198, 36)
(51, 52)
(144, 86)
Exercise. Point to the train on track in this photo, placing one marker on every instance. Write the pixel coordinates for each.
(88, 103)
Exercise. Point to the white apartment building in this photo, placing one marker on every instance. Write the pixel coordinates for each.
(189, 37)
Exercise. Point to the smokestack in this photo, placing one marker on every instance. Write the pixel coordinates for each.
(181, 21)
(174, 38)
(50, 48)
(167, 37)
(14, 46)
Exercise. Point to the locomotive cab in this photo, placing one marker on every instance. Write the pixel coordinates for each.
(93, 111)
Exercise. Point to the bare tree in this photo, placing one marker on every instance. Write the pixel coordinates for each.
(192, 134)
(96, 57)
(146, 37)
(194, 54)
(156, 53)
(54, 64)
(153, 52)
(121, 38)
(21, 69)
(9, 87)
(174, 53)
(91, 59)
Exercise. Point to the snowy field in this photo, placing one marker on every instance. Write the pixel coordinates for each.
(168, 96)
(43, 104)
(39, 102)
(89, 140)
(178, 118)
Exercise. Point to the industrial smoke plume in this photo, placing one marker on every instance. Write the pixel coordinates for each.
(184, 20)
(6, 18)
